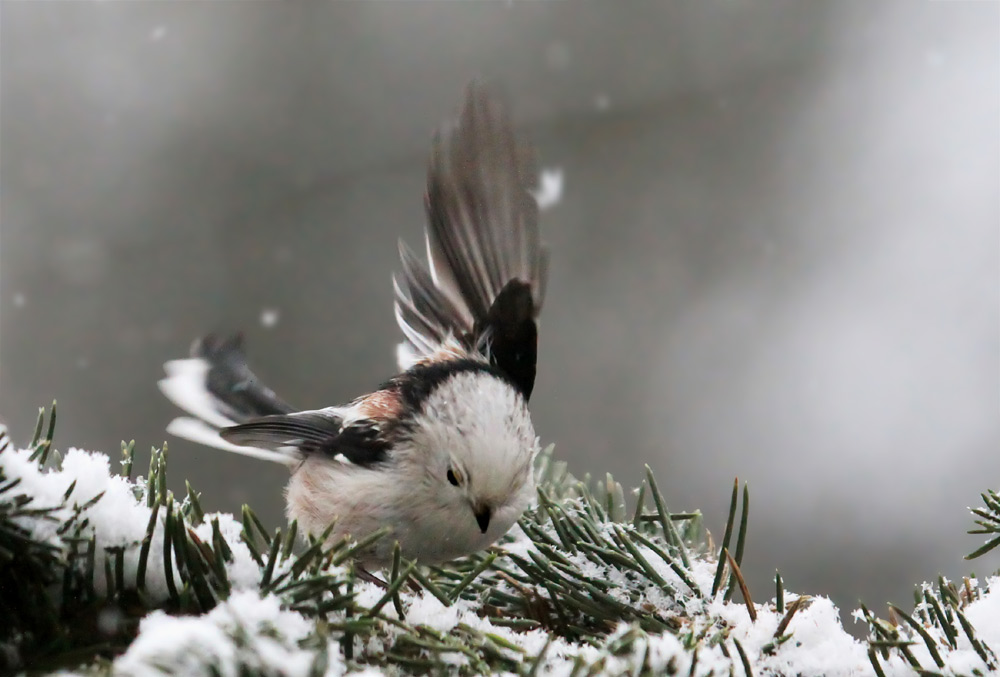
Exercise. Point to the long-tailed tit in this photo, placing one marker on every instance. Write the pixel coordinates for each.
(441, 453)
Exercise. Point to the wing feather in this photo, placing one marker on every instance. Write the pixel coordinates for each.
(286, 430)
(482, 235)
(330, 432)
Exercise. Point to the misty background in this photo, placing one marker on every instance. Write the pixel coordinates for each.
(776, 256)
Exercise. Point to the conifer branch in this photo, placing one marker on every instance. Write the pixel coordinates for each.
(583, 585)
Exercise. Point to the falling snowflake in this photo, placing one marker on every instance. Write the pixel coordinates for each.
(269, 317)
(550, 186)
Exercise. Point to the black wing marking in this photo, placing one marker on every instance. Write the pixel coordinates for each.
(511, 336)
(314, 432)
(237, 389)
(482, 241)
(359, 443)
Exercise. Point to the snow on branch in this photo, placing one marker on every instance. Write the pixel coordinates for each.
(104, 574)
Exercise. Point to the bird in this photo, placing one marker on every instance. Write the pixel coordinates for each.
(442, 454)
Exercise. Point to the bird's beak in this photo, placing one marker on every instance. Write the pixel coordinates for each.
(483, 515)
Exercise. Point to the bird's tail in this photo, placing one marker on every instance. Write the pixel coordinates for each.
(218, 390)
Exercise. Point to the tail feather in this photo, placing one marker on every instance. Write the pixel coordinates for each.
(185, 386)
(231, 383)
(218, 390)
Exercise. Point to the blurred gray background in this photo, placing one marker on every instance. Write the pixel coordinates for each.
(776, 256)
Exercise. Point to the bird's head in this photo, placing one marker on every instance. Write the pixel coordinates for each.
(475, 433)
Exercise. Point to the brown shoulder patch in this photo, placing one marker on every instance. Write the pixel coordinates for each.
(380, 405)
(450, 349)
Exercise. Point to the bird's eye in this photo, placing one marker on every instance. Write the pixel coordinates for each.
(453, 478)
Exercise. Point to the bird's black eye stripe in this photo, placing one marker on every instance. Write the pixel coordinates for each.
(452, 478)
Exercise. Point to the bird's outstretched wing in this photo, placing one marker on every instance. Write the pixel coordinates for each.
(485, 282)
